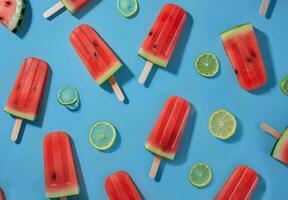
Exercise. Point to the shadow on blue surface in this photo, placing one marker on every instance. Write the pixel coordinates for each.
(42, 109)
(268, 62)
(238, 134)
(87, 8)
(270, 9)
(260, 189)
(184, 145)
(176, 58)
(27, 19)
(83, 190)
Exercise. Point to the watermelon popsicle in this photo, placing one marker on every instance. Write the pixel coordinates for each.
(71, 5)
(98, 58)
(59, 166)
(168, 130)
(240, 185)
(280, 150)
(162, 38)
(242, 48)
(25, 98)
(120, 186)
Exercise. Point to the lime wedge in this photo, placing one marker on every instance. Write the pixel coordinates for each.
(69, 97)
(284, 85)
(207, 65)
(222, 124)
(128, 8)
(200, 175)
(102, 135)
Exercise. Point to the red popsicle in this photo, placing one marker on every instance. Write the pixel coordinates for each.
(59, 166)
(240, 185)
(242, 48)
(25, 98)
(161, 40)
(120, 186)
(168, 130)
(99, 59)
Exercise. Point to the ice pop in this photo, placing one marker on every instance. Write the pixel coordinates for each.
(240, 185)
(168, 130)
(71, 5)
(25, 98)
(161, 40)
(2, 196)
(242, 48)
(99, 59)
(120, 186)
(280, 150)
(264, 7)
(59, 166)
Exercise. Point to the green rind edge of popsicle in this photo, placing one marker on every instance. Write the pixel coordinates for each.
(19, 114)
(146, 55)
(132, 14)
(70, 192)
(278, 146)
(114, 69)
(236, 30)
(74, 101)
(17, 17)
(68, 7)
(159, 152)
(282, 85)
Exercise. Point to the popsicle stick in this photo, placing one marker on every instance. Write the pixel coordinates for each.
(145, 72)
(155, 166)
(264, 7)
(63, 198)
(270, 130)
(116, 89)
(58, 6)
(16, 129)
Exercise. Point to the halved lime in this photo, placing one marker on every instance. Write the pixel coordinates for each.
(102, 135)
(127, 8)
(69, 97)
(222, 124)
(284, 85)
(200, 175)
(207, 64)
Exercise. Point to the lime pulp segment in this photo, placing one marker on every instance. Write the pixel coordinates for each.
(200, 175)
(284, 85)
(102, 135)
(207, 65)
(127, 8)
(222, 124)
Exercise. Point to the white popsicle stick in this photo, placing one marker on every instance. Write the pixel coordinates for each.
(264, 7)
(58, 6)
(270, 130)
(155, 166)
(116, 88)
(145, 72)
(16, 129)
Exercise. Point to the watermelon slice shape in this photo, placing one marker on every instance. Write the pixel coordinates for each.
(280, 150)
(11, 13)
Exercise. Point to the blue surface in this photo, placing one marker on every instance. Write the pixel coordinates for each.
(21, 165)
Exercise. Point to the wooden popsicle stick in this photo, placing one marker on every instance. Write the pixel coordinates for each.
(58, 6)
(155, 166)
(63, 198)
(145, 72)
(16, 129)
(270, 130)
(264, 7)
(116, 89)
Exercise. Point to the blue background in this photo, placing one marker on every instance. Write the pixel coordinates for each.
(21, 164)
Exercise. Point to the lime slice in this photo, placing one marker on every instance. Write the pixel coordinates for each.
(102, 135)
(69, 97)
(284, 85)
(222, 124)
(207, 64)
(200, 175)
(128, 8)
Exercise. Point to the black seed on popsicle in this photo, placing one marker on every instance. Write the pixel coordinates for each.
(150, 33)
(8, 3)
(94, 54)
(236, 71)
(154, 46)
(54, 176)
